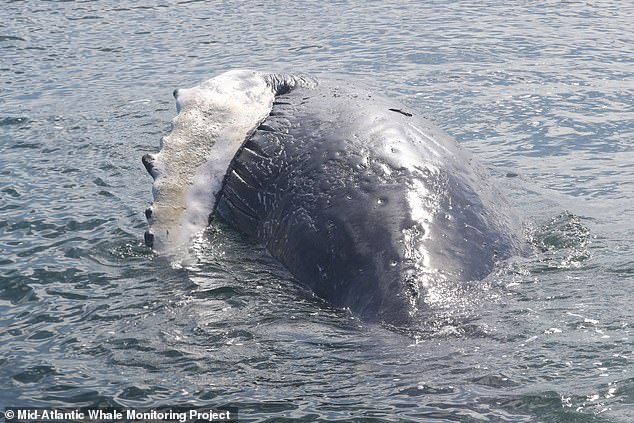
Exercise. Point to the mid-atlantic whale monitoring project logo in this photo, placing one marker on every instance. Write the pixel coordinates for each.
(111, 415)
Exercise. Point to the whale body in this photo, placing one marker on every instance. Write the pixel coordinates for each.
(365, 202)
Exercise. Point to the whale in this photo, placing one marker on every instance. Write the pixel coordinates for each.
(363, 200)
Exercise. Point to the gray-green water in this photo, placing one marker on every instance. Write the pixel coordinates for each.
(542, 93)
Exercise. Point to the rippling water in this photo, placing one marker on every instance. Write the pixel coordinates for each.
(542, 92)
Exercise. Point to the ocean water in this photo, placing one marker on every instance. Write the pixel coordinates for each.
(541, 92)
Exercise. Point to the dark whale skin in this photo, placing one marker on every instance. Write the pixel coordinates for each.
(365, 202)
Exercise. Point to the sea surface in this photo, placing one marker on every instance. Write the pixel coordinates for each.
(540, 92)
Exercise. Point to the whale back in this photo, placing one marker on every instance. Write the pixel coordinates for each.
(365, 202)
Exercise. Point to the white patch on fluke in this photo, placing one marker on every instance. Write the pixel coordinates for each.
(214, 120)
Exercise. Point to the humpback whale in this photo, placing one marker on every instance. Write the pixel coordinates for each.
(363, 200)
